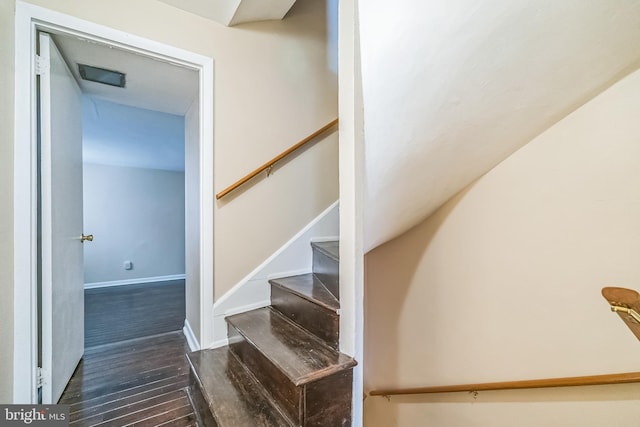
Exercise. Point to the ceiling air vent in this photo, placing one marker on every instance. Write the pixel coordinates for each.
(100, 75)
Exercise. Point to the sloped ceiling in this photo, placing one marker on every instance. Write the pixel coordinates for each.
(453, 87)
(140, 125)
(150, 84)
(233, 12)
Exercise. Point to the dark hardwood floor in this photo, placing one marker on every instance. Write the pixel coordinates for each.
(120, 313)
(141, 381)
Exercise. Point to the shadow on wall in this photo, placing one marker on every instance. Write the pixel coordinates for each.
(394, 266)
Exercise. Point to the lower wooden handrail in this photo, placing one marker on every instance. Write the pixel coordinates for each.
(624, 378)
(267, 166)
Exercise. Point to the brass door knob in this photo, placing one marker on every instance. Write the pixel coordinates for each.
(89, 238)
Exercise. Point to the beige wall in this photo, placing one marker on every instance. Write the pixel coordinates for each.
(6, 196)
(503, 282)
(273, 86)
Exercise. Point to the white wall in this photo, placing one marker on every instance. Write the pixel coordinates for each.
(192, 217)
(122, 135)
(451, 88)
(136, 215)
(503, 282)
(6, 198)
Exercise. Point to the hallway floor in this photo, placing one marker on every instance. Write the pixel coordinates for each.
(119, 313)
(134, 370)
(140, 382)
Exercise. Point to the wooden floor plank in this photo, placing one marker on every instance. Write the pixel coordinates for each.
(133, 407)
(96, 406)
(158, 387)
(139, 382)
(118, 313)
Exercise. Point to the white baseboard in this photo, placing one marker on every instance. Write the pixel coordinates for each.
(325, 239)
(219, 343)
(282, 274)
(194, 345)
(133, 281)
(248, 307)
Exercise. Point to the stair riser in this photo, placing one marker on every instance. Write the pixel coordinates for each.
(328, 401)
(327, 269)
(200, 405)
(318, 320)
(283, 391)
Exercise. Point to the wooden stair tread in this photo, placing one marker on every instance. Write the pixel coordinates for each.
(234, 397)
(309, 287)
(298, 354)
(331, 249)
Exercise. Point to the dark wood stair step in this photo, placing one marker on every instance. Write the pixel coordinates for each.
(299, 355)
(227, 395)
(309, 287)
(326, 265)
(330, 249)
(306, 301)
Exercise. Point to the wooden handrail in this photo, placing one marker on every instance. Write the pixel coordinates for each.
(276, 159)
(624, 378)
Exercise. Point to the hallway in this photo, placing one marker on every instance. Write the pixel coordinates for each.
(134, 370)
(136, 382)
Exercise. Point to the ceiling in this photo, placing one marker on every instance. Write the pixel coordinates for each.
(453, 87)
(140, 125)
(234, 12)
(150, 83)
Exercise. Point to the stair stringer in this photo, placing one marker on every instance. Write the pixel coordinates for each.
(292, 258)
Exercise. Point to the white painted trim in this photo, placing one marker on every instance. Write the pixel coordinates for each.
(248, 307)
(273, 256)
(25, 222)
(280, 275)
(325, 239)
(194, 345)
(137, 281)
(352, 188)
(219, 343)
(207, 201)
(29, 18)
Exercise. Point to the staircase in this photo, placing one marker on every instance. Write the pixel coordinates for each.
(282, 366)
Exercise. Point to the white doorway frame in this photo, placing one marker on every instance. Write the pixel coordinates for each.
(30, 19)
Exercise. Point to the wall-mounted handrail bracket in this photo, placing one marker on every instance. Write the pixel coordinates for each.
(268, 167)
(635, 316)
(626, 303)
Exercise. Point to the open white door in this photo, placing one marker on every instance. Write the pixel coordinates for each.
(61, 219)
